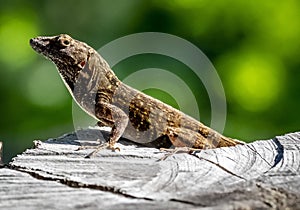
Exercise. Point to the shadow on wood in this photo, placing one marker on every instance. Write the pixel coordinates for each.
(263, 174)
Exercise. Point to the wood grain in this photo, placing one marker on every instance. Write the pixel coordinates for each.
(264, 174)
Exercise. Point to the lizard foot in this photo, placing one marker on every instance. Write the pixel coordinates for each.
(98, 148)
(171, 152)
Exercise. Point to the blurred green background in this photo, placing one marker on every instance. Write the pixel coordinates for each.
(254, 46)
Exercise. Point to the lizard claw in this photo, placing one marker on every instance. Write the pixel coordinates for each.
(171, 152)
(97, 149)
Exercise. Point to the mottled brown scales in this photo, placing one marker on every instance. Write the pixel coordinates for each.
(129, 112)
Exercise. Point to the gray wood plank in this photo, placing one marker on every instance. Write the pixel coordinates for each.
(22, 191)
(263, 174)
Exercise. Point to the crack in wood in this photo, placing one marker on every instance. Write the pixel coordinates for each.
(76, 184)
(187, 202)
(280, 152)
(221, 167)
(257, 153)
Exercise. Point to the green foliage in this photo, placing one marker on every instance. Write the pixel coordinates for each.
(254, 46)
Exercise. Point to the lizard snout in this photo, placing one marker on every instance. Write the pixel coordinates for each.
(39, 44)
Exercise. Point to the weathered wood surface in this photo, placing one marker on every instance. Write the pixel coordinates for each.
(260, 175)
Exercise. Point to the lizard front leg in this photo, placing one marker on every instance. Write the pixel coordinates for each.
(120, 121)
(113, 116)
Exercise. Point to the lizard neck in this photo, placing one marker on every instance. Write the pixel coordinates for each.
(95, 83)
(69, 75)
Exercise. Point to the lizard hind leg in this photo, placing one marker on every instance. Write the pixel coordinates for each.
(183, 137)
(186, 141)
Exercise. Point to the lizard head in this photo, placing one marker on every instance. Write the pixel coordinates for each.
(61, 49)
(68, 54)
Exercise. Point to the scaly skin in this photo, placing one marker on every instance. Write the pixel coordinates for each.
(129, 112)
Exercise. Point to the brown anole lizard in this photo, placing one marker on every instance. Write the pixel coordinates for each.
(129, 112)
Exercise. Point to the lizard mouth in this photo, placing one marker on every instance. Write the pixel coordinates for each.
(42, 46)
(38, 45)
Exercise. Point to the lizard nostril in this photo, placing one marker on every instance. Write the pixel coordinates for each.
(32, 42)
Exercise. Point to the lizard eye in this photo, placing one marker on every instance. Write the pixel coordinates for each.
(65, 42)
